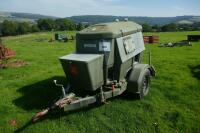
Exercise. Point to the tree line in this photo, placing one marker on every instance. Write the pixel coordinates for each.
(11, 28)
(171, 27)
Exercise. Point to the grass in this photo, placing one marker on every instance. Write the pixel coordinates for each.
(173, 104)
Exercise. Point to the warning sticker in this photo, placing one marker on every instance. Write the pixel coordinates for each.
(104, 46)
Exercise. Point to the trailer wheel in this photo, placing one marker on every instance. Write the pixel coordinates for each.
(139, 80)
(145, 84)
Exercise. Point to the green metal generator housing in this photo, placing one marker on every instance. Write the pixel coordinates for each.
(85, 71)
(104, 53)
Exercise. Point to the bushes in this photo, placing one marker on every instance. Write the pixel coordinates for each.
(10, 28)
(147, 28)
(34, 28)
(164, 28)
(65, 24)
(23, 28)
(171, 27)
(46, 24)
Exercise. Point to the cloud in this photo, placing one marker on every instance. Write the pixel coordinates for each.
(178, 10)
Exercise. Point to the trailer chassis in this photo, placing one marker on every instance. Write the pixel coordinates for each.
(70, 101)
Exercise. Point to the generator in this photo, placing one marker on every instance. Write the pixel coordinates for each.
(107, 62)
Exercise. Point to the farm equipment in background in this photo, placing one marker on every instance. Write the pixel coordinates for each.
(151, 39)
(107, 63)
(181, 43)
(193, 37)
(61, 37)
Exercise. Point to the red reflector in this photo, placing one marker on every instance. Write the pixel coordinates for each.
(73, 69)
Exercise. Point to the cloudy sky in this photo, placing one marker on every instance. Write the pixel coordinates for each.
(64, 8)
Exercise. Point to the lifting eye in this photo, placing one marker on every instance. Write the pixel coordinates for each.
(74, 70)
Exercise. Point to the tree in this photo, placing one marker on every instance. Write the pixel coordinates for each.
(146, 28)
(196, 26)
(87, 25)
(64, 24)
(79, 26)
(34, 28)
(0, 29)
(46, 24)
(23, 28)
(9, 28)
(169, 27)
(156, 28)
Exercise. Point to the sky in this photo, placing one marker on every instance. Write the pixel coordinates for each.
(66, 8)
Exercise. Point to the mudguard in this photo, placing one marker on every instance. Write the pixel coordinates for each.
(135, 77)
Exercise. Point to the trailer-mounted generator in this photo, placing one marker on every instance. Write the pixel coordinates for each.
(106, 63)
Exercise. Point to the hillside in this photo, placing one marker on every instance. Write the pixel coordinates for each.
(141, 20)
(91, 19)
(28, 17)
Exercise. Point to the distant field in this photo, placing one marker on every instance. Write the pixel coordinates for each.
(173, 102)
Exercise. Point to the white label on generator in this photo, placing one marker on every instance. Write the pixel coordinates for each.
(90, 45)
(129, 44)
(104, 46)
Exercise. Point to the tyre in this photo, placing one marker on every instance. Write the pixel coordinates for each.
(145, 84)
(138, 81)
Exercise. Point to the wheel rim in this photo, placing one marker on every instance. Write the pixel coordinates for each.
(145, 85)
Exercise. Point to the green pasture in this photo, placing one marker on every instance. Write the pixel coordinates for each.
(172, 106)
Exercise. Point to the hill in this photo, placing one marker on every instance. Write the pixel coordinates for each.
(141, 20)
(21, 17)
(91, 19)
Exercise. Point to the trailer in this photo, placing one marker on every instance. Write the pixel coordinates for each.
(107, 62)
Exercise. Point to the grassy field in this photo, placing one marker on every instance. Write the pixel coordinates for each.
(173, 102)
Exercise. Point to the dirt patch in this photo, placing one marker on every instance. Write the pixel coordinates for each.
(13, 64)
(5, 53)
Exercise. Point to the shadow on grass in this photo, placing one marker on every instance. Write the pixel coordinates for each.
(44, 93)
(55, 114)
(40, 94)
(195, 70)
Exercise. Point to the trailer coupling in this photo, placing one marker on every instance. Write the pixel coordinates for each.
(59, 104)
